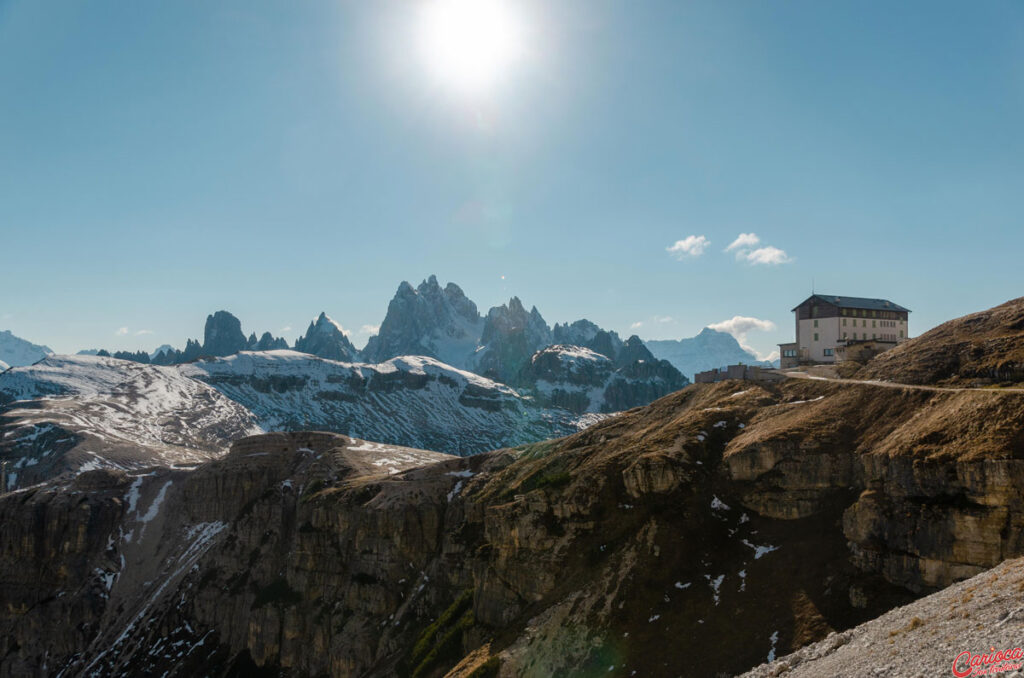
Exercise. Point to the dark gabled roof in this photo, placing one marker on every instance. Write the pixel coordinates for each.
(855, 302)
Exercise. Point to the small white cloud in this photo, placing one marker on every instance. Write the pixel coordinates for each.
(739, 325)
(286, 328)
(774, 355)
(746, 247)
(121, 331)
(141, 332)
(369, 329)
(766, 255)
(662, 318)
(691, 246)
(637, 325)
(744, 241)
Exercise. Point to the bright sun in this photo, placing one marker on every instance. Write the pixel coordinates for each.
(470, 44)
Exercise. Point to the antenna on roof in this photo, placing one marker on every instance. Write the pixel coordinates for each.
(812, 284)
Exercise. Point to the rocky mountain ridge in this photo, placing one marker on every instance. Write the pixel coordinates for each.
(505, 345)
(324, 339)
(430, 321)
(709, 350)
(68, 414)
(742, 521)
(580, 379)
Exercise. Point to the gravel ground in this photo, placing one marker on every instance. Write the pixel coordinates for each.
(982, 615)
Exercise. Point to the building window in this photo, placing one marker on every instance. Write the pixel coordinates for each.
(815, 323)
(855, 336)
(844, 335)
(815, 336)
(844, 322)
(874, 324)
(828, 351)
(901, 334)
(863, 323)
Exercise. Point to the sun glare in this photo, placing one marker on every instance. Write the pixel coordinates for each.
(470, 44)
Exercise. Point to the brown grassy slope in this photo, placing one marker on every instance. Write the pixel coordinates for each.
(987, 346)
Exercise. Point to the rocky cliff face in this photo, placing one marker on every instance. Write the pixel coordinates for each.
(740, 521)
(511, 335)
(430, 321)
(325, 339)
(223, 335)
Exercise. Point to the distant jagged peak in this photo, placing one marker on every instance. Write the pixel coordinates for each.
(428, 320)
(583, 332)
(709, 349)
(577, 332)
(634, 349)
(324, 323)
(430, 289)
(327, 339)
(223, 335)
(163, 348)
(510, 336)
(513, 316)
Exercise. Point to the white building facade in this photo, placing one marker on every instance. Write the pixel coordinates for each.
(826, 322)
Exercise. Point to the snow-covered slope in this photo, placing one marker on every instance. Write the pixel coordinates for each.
(3, 366)
(707, 351)
(15, 351)
(413, 401)
(75, 413)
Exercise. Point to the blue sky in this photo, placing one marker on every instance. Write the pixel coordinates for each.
(159, 161)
